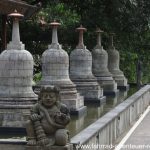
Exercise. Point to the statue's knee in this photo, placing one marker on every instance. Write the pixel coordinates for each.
(61, 137)
(29, 128)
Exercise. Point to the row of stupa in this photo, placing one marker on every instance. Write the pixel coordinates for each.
(83, 82)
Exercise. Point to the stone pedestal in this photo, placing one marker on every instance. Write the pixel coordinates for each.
(55, 71)
(100, 68)
(113, 66)
(13, 116)
(81, 72)
(16, 72)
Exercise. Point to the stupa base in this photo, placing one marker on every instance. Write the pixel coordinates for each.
(111, 93)
(14, 117)
(15, 111)
(123, 87)
(90, 89)
(79, 112)
(109, 85)
(100, 100)
(121, 82)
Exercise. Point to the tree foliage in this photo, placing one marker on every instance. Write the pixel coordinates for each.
(129, 19)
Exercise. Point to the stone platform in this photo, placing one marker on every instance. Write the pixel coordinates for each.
(17, 144)
(67, 147)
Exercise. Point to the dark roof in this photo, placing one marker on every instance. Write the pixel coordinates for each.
(8, 6)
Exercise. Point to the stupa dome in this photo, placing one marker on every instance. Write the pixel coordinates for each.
(81, 60)
(100, 58)
(55, 62)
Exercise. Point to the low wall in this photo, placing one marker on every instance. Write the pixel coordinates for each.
(106, 130)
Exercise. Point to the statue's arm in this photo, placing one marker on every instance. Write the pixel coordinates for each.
(64, 117)
(35, 114)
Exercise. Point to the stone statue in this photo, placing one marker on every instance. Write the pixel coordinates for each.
(48, 120)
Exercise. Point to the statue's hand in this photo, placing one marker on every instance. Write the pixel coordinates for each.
(62, 119)
(63, 116)
(35, 117)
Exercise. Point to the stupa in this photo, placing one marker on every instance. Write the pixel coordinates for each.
(100, 67)
(81, 72)
(113, 65)
(55, 71)
(16, 72)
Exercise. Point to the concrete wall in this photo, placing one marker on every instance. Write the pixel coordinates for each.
(109, 128)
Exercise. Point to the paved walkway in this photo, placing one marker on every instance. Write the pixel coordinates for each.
(138, 138)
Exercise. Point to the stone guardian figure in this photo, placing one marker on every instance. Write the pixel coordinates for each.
(48, 120)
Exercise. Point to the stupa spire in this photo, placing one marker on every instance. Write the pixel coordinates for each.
(99, 38)
(54, 32)
(54, 43)
(111, 42)
(15, 43)
(15, 30)
(81, 30)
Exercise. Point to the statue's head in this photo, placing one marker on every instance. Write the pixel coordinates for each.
(49, 95)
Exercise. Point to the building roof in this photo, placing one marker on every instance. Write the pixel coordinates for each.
(8, 6)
